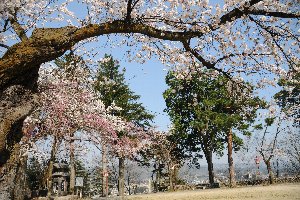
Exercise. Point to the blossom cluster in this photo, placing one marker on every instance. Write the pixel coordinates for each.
(69, 103)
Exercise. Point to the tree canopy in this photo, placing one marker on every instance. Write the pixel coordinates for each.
(114, 90)
(209, 106)
(205, 107)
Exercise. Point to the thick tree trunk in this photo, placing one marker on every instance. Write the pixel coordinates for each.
(16, 102)
(21, 63)
(175, 176)
(230, 160)
(104, 172)
(72, 167)
(277, 168)
(13, 183)
(121, 178)
(49, 177)
(21, 190)
(210, 167)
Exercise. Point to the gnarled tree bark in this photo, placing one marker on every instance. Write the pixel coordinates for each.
(16, 102)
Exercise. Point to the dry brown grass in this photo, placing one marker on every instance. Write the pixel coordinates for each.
(273, 192)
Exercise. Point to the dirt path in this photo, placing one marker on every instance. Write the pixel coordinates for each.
(274, 192)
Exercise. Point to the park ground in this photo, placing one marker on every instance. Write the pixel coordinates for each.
(269, 192)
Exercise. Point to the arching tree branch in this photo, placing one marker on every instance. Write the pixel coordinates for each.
(46, 44)
(49, 43)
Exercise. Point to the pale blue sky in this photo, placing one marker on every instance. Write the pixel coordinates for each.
(148, 80)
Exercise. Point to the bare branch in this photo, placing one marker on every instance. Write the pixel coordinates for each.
(263, 139)
(274, 14)
(202, 60)
(239, 54)
(276, 135)
(18, 28)
(4, 45)
(187, 47)
(129, 9)
(5, 26)
(273, 34)
(236, 13)
(135, 3)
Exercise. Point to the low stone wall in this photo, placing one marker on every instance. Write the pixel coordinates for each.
(266, 181)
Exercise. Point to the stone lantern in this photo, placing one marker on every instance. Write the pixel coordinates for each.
(60, 179)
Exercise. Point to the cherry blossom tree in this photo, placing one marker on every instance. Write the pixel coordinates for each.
(290, 148)
(289, 101)
(286, 122)
(268, 148)
(274, 124)
(163, 153)
(236, 38)
(69, 104)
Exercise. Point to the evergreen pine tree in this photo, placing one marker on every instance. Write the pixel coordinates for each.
(113, 89)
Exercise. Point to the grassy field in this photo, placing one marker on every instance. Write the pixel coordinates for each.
(274, 192)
